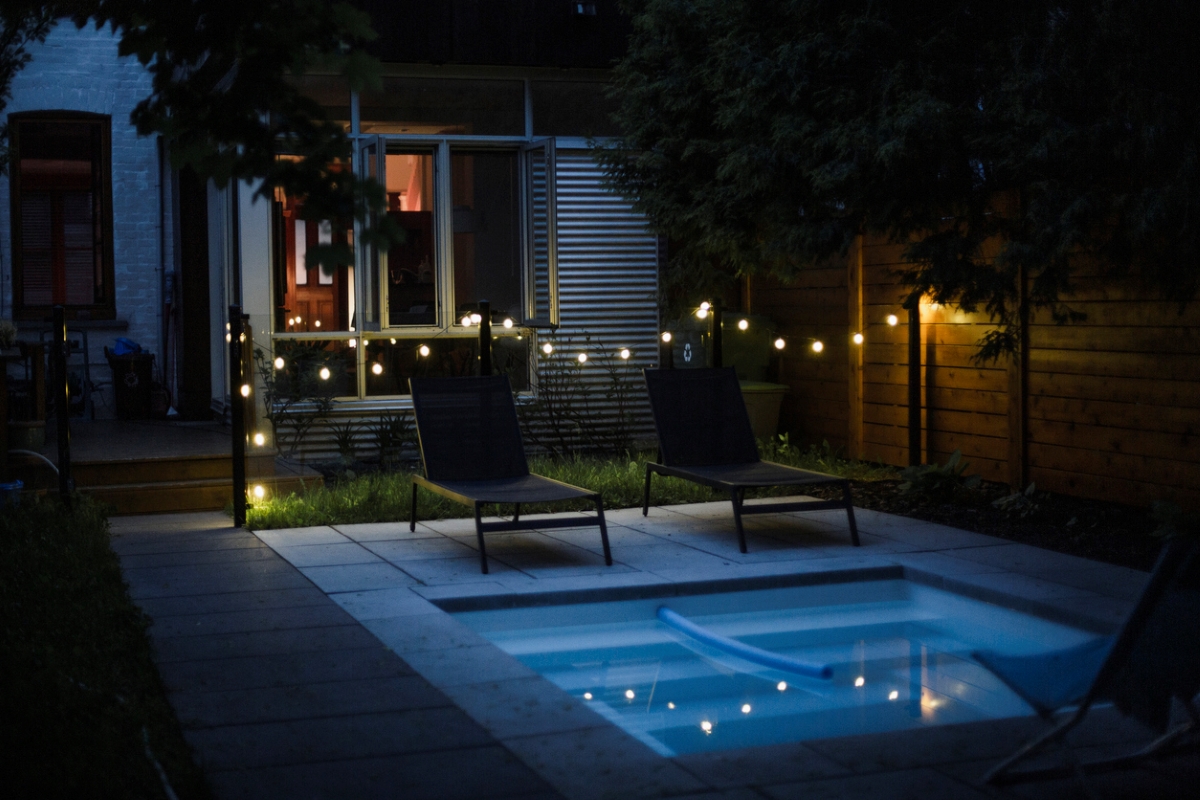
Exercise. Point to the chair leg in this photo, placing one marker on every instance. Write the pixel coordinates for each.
(412, 519)
(646, 493)
(603, 530)
(850, 514)
(736, 496)
(1001, 774)
(516, 512)
(479, 535)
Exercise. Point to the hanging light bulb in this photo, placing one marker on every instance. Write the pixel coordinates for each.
(858, 338)
(818, 346)
(743, 324)
(279, 362)
(780, 343)
(466, 320)
(666, 337)
(893, 320)
(547, 348)
(624, 354)
(423, 350)
(377, 368)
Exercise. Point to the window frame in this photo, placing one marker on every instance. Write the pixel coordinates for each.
(102, 207)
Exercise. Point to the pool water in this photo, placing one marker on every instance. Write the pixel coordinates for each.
(899, 653)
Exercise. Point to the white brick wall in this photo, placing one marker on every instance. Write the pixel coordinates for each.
(79, 70)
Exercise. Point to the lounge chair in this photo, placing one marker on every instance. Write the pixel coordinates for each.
(472, 452)
(704, 436)
(1154, 658)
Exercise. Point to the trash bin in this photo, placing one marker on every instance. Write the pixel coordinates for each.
(132, 376)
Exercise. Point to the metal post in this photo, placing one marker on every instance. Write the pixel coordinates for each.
(485, 337)
(62, 403)
(914, 384)
(715, 337)
(237, 415)
(666, 353)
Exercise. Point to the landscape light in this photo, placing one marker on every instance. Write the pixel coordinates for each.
(324, 373)
(259, 491)
(780, 343)
(858, 338)
(423, 350)
(893, 320)
(818, 346)
(377, 368)
(743, 324)
(279, 362)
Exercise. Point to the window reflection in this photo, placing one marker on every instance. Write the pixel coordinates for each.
(390, 363)
(486, 234)
(412, 265)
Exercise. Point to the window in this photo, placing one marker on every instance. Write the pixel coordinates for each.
(62, 215)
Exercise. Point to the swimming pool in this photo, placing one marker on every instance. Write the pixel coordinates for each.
(733, 672)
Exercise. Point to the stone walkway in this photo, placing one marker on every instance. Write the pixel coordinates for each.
(314, 662)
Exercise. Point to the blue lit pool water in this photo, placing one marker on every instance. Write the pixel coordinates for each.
(899, 652)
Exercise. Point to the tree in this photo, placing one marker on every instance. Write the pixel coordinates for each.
(223, 95)
(765, 135)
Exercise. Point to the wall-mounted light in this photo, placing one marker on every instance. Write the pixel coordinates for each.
(353, 343)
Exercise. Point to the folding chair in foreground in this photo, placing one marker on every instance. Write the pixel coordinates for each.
(472, 452)
(1154, 658)
(704, 436)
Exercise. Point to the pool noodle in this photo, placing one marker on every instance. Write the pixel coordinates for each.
(745, 651)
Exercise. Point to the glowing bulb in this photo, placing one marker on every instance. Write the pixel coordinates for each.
(780, 343)
(393, 341)
(423, 350)
(705, 306)
(298, 320)
(587, 695)
(860, 680)
(582, 358)
(629, 694)
(476, 319)
(245, 390)
(291, 321)
(227, 326)
(702, 312)
(666, 337)
(781, 686)
(242, 338)
(858, 338)
(893, 695)
(743, 324)
(706, 726)
(818, 346)
(466, 320)
(893, 320)
(259, 491)
(353, 343)
(377, 368)
(624, 354)
(228, 338)
(745, 708)
(259, 439)
(508, 323)
(317, 323)
(324, 373)
(547, 348)
(670, 705)
(279, 362)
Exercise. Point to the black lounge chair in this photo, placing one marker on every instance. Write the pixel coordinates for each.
(704, 436)
(472, 452)
(1154, 658)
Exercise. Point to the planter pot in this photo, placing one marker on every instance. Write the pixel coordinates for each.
(762, 404)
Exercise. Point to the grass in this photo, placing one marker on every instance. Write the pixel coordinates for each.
(386, 497)
(84, 711)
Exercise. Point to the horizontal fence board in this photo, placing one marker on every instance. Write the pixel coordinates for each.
(939, 397)
(989, 469)
(1094, 438)
(1124, 339)
(1124, 466)
(1102, 313)
(1112, 489)
(1148, 391)
(992, 380)
(1171, 366)
(1110, 414)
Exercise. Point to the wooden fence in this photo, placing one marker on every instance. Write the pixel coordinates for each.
(1107, 408)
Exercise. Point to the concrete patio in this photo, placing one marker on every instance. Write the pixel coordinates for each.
(314, 662)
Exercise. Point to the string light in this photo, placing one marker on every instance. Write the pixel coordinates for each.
(781, 686)
(324, 373)
(582, 358)
(624, 354)
(279, 362)
(547, 348)
(587, 695)
(780, 343)
(859, 681)
(666, 337)
(743, 324)
(466, 320)
(317, 323)
(818, 346)
(858, 338)
(893, 695)
(353, 343)
(423, 350)
(629, 695)
(893, 320)
(746, 708)
(508, 323)
(377, 368)
(259, 439)
(393, 341)
(245, 390)
(706, 726)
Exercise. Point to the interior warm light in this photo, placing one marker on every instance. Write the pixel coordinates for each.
(781, 686)
(745, 708)
(706, 726)
(324, 373)
(624, 354)
(377, 368)
(629, 694)
(780, 343)
(245, 390)
(279, 362)
(860, 680)
(423, 350)
(666, 337)
(582, 358)
(547, 348)
(587, 695)
(508, 323)
(743, 324)
(858, 338)
(893, 320)
(818, 346)
(259, 439)
(259, 491)
(893, 695)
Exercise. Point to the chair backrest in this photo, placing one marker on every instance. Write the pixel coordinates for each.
(468, 429)
(700, 417)
(1156, 655)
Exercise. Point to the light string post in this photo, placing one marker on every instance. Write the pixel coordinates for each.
(485, 338)
(62, 406)
(237, 416)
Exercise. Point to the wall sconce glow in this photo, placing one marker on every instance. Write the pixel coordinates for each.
(893, 320)
(743, 324)
(466, 320)
(624, 354)
(245, 390)
(780, 343)
(818, 346)
(666, 337)
(893, 695)
(781, 686)
(547, 348)
(259, 439)
(629, 695)
(582, 358)
(859, 681)
(324, 373)
(377, 368)
(508, 323)
(706, 726)
(745, 708)
(587, 695)
(423, 350)
(279, 362)
(858, 338)
(259, 491)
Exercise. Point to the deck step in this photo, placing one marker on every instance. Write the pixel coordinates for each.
(167, 469)
(159, 497)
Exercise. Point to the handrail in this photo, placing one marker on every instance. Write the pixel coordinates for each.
(742, 650)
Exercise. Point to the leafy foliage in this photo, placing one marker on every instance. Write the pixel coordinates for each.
(934, 482)
(992, 139)
(296, 396)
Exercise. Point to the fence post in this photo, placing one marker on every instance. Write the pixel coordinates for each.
(485, 337)
(62, 404)
(914, 382)
(715, 335)
(237, 413)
